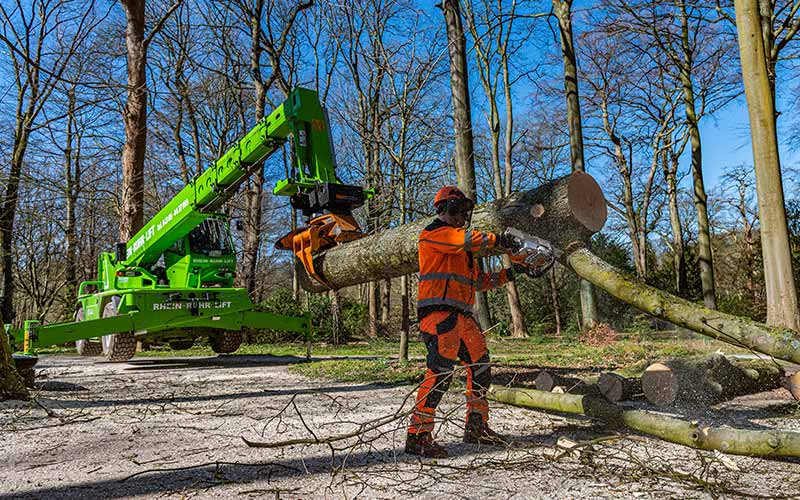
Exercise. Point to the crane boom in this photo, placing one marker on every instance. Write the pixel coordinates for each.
(300, 116)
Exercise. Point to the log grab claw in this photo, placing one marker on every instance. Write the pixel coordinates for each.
(323, 232)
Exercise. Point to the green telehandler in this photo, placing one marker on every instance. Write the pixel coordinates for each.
(174, 279)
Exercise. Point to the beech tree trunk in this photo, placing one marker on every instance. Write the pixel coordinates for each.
(765, 443)
(135, 119)
(781, 343)
(548, 381)
(563, 11)
(573, 209)
(12, 385)
(707, 380)
(782, 305)
(462, 124)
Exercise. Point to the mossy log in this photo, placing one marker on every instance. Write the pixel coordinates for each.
(565, 211)
(755, 443)
(614, 387)
(706, 380)
(781, 343)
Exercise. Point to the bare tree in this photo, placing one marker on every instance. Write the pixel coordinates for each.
(782, 307)
(491, 37)
(33, 33)
(462, 123)
(135, 114)
(563, 12)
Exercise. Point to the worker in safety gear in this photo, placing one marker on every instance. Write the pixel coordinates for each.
(449, 276)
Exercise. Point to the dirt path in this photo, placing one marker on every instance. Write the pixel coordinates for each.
(174, 427)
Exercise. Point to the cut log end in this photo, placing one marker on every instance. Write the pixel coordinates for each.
(660, 384)
(544, 381)
(586, 201)
(792, 384)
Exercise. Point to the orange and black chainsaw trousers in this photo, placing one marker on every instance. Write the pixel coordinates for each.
(451, 337)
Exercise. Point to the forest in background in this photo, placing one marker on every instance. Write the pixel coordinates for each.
(381, 67)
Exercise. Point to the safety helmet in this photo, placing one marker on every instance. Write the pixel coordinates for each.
(448, 193)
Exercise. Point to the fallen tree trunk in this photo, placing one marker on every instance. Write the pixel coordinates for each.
(755, 443)
(614, 387)
(565, 211)
(781, 343)
(706, 380)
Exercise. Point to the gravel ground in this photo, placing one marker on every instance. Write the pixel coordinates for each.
(173, 427)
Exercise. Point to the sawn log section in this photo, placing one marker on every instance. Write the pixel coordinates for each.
(565, 211)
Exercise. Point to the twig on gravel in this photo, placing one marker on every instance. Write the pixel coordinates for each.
(215, 464)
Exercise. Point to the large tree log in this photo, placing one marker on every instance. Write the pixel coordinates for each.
(706, 380)
(614, 387)
(763, 443)
(781, 343)
(566, 211)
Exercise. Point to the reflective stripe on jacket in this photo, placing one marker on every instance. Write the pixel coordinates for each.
(448, 274)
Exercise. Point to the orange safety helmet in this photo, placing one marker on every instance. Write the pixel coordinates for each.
(448, 193)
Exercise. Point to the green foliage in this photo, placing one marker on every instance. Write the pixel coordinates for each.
(353, 317)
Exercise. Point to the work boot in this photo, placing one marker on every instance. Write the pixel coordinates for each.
(423, 445)
(477, 431)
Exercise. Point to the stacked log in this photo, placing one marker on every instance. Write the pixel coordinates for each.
(763, 443)
(707, 380)
(615, 388)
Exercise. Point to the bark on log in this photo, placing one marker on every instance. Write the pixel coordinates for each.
(547, 381)
(565, 211)
(707, 380)
(781, 343)
(12, 384)
(761, 443)
(614, 387)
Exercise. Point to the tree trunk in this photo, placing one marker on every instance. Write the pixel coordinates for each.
(254, 193)
(405, 317)
(782, 306)
(373, 289)
(774, 341)
(135, 119)
(12, 386)
(462, 122)
(386, 301)
(700, 200)
(336, 318)
(768, 443)
(707, 380)
(563, 11)
(678, 253)
(573, 209)
(72, 174)
(554, 299)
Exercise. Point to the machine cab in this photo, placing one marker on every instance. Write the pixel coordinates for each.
(203, 258)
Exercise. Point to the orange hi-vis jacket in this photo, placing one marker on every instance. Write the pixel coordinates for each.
(448, 273)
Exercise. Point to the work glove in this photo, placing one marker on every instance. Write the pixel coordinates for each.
(509, 242)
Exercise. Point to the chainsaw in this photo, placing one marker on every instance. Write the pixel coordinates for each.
(532, 256)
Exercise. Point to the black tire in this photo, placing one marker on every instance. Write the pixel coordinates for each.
(86, 347)
(225, 342)
(181, 345)
(117, 346)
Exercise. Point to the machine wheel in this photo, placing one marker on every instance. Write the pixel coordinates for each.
(86, 347)
(117, 346)
(180, 345)
(225, 342)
